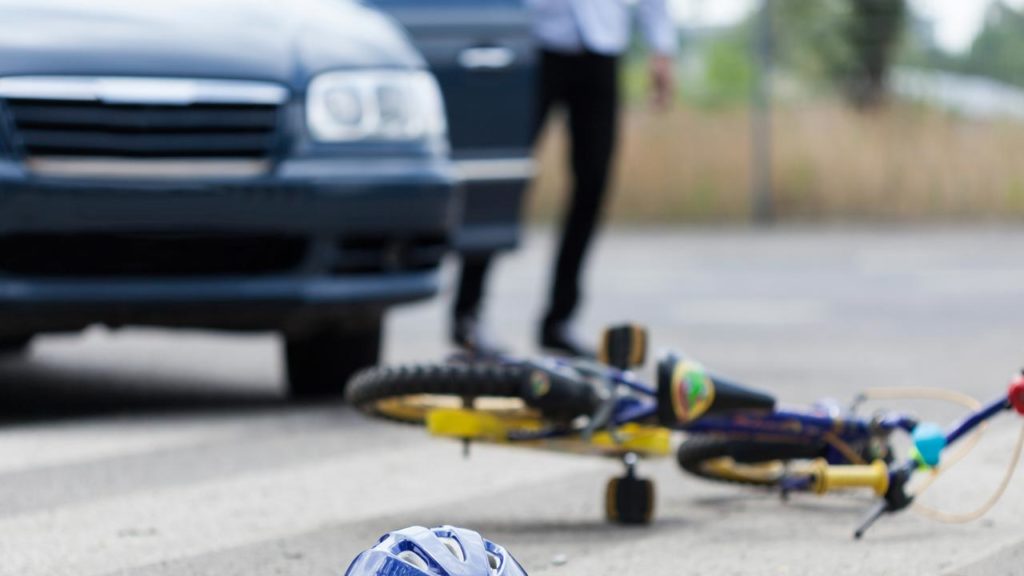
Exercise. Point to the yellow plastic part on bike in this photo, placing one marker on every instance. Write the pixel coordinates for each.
(830, 478)
(462, 424)
(475, 425)
(643, 440)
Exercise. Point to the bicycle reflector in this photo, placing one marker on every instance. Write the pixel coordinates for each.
(1017, 394)
(929, 442)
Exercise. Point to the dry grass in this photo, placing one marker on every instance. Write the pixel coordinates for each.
(831, 163)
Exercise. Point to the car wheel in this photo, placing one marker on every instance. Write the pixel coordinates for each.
(14, 345)
(320, 362)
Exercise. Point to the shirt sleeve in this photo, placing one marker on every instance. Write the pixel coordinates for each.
(658, 26)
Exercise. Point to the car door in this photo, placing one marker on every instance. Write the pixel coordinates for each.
(482, 54)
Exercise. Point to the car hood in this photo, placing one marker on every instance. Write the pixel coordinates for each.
(284, 41)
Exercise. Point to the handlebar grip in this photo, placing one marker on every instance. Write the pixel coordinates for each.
(829, 478)
(1017, 395)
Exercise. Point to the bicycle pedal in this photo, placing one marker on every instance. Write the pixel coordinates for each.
(624, 347)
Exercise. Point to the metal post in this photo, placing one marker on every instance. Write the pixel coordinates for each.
(762, 193)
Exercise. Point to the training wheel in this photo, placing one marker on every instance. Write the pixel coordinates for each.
(629, 500)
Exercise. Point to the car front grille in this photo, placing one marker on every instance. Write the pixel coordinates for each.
(141, 131)
(63, 127)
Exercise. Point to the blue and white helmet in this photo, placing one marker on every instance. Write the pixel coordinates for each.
(444, 551)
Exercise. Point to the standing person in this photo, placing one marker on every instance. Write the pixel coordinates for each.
(580, 42)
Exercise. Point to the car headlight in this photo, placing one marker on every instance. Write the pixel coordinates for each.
(390, 105)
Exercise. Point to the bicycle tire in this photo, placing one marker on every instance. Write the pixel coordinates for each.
(740, 461)
(381, 391)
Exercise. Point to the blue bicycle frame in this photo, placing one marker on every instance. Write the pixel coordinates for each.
(812, 427)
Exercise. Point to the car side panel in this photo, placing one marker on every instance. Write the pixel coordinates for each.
(484, 57)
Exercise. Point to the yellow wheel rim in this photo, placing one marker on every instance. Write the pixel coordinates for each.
(766, 473)
(415, 408)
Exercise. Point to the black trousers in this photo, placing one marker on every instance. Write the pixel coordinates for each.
(586, 86)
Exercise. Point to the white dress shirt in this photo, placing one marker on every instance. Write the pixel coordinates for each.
(602, 26)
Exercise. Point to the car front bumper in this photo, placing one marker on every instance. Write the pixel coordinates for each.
(352, 235)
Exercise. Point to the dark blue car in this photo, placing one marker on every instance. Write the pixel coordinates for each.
(251, 165)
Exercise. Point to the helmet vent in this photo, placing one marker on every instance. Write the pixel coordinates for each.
(494, 561)
(454, 547)
(414, 559)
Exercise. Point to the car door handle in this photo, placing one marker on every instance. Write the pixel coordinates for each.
(487, 58)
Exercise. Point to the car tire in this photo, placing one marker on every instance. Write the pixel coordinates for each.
(14, 345)
(321, 361)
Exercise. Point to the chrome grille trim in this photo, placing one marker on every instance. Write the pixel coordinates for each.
(165, 91)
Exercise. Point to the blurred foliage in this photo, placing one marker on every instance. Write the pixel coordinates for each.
(810, 39)
(997, 52)
(728, 73)
(872, 32)
(905, 161)
(999, 49)
(832, 163)
(845, 46)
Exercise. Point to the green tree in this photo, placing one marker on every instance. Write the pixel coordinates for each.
(850, 44)
(809, 39)
(729, 72)
(873, 32)
(998, 51)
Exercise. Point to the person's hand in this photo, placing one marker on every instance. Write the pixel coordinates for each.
(663, 81)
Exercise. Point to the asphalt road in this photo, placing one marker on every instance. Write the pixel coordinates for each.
(154, 453)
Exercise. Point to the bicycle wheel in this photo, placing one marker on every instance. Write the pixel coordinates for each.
(748, 462)
(516, 393)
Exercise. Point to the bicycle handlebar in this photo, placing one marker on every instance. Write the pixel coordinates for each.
(828, 478)
(891, 484)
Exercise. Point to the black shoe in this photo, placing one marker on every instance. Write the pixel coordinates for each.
(468, 334)
(559, 337)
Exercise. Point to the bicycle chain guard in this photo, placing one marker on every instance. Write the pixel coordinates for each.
(470, 425)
